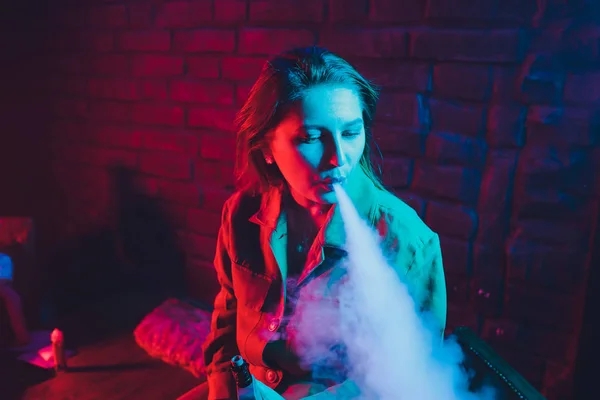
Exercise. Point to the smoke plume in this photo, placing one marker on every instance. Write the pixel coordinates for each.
(368, 329)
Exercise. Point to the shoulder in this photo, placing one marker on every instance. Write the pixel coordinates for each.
(401, 220)
(241, 205)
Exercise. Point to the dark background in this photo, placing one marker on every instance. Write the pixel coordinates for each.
(116, 137)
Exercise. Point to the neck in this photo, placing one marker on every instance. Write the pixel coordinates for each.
(317, 211)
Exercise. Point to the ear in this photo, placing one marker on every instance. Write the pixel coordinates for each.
(268, 155)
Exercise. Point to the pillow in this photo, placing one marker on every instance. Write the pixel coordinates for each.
(174, 333)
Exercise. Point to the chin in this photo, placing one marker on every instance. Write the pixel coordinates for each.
(326, 197)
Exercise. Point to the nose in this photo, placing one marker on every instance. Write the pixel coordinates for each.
(338, 157)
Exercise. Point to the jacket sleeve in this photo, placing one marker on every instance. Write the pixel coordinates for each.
(430, 269)
(220, 345)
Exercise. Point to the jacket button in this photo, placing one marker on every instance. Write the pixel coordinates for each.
(271, 376)
(273, 325)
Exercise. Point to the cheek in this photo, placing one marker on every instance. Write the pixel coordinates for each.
(356, 149)
(296, 161)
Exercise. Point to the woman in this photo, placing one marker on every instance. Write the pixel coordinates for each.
(305, 127)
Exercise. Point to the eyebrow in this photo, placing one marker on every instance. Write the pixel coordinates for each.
(346, 125)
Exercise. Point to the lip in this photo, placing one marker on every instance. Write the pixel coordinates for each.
(332, 181)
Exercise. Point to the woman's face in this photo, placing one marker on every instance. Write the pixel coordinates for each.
(319, 142)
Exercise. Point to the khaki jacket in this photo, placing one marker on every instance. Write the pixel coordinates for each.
(251, 265)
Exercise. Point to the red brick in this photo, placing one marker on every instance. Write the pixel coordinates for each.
(450, 148)
(457, 288)
(209, 117)
(565, 126)
(156, 65)
(547, 265)
(157, 114)
(499, 330)
(241, 68)
(68, 107)
(284, 11)
(538, 82)
(456, 254)
(497, 182)
(179, 192)
(230, 11)
(183, 14)
(214, 174)
(109, 64)
(545, 168)
(199, 245)
(213, 199)
(517, 13)
(462, 81)
(461, 314)
(110, 111)
(480, 45)
(107, 16)
(450, 220)
(167, 165)
(397, 11)
(202, 92)
(395, 74)
(487, 283)
(448, 182)
(348, 10)
(527, 303)
(140, 15)
(156, 90)
(454, 117)
(493, 227)
(183, 143)
(144, 40)
(392, 139)
(555, 203)
(401, 108)
(273, 41)
(202, 66)
(115, 136)
(98, 41)
(396, 171)
(558, 381)
(241, 93)
(117, 89)
(201, 278)
(506, 126)
(583, 88)
(384, 42)
(220, 147)
(505, 83)
(205, 40)
(97, 156)
(203, 222)
(548, 344)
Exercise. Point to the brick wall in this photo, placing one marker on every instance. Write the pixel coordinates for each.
(487, 122)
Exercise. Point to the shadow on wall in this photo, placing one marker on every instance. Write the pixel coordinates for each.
(137, 251)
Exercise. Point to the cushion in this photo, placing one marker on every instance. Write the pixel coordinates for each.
(174, 333)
